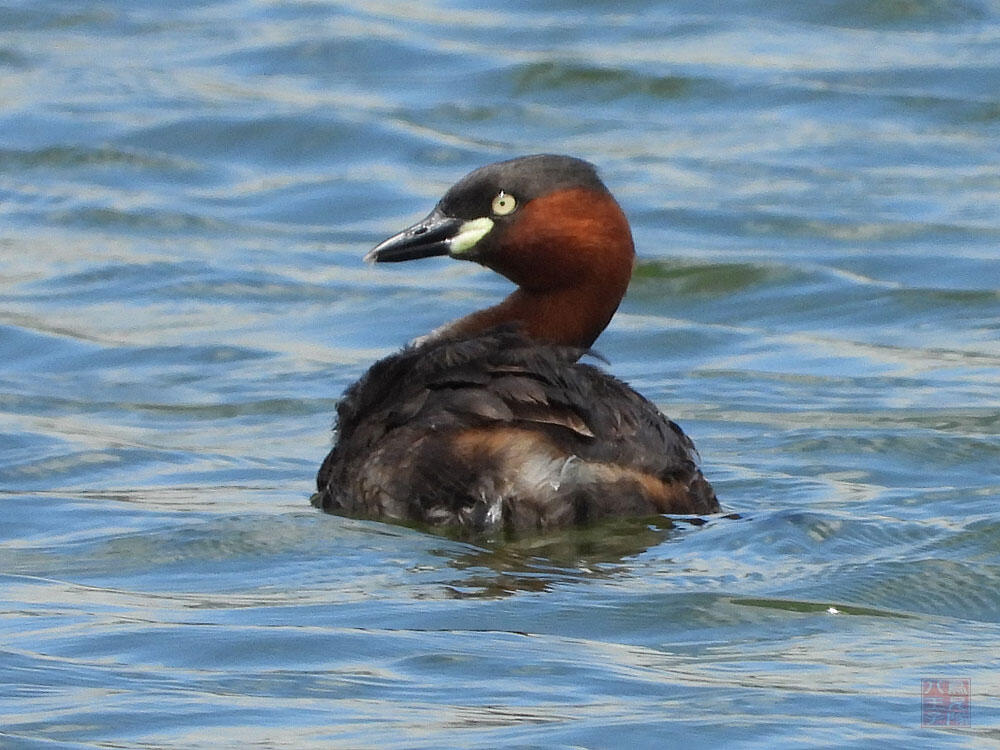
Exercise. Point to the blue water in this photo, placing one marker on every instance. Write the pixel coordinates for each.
(186, 190)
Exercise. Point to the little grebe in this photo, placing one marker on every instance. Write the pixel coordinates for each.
(490, 423)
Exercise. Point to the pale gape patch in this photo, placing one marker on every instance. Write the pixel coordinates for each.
(469, 235)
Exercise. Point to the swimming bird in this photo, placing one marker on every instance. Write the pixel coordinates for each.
(490, 424)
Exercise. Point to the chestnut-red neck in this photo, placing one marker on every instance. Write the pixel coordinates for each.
(574, 317)
(571, 255)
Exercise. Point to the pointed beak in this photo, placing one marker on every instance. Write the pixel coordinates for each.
(427, 238)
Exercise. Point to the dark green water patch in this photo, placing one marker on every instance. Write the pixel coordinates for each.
(817, 607)
(710, 279)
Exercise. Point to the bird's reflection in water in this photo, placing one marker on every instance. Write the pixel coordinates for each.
(539, 562)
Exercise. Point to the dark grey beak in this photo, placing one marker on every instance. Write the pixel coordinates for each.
(427, 238)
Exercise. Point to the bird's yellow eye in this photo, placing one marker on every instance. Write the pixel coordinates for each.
(503, 204)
